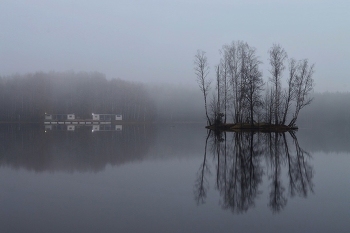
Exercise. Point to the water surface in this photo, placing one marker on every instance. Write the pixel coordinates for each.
(173, 178)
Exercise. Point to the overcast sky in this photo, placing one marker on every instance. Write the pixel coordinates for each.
(156, 40)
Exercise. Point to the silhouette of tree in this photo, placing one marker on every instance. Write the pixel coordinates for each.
(239, 85)
(201, 68)
(303, 84)
(277, 58)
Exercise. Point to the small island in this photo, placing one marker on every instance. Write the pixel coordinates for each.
(261, 127)
(241, 95)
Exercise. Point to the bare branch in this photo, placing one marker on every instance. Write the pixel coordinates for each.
(201, 68)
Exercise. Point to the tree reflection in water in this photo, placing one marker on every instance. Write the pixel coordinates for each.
(239, 162)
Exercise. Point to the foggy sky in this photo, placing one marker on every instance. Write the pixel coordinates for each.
(155, 41)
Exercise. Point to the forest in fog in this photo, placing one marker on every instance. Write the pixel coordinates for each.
(27, 97)
(328, 109)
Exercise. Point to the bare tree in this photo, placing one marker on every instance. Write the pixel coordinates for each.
(239, 85)
(303, 84)
(224, 77)
(218, 89)
(289, 94)
(277, 57)
(268, 105)
(201, 68)
(231, 61)
(240, 67)
(253, 83)
(214, 110)
(242, 79)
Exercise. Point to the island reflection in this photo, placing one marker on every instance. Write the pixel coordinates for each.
(242, 159)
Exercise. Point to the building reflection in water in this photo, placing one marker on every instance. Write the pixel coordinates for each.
(241, 161)
(92, 127)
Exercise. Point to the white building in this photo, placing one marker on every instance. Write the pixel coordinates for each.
(48, 117)
(70, 116)
(118, 117)
(106, 117)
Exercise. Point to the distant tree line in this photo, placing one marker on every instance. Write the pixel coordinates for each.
(176, 103)
(28, 97)
(241, 92)
(331, 109)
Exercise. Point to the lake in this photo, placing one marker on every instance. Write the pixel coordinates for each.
(172, 178)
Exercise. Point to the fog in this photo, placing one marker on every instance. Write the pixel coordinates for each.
(155, 41)
(26, 98)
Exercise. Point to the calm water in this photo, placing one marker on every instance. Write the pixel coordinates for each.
(173, 178)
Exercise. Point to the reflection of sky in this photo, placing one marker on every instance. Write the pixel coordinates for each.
(157, 196)
(324, 139)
